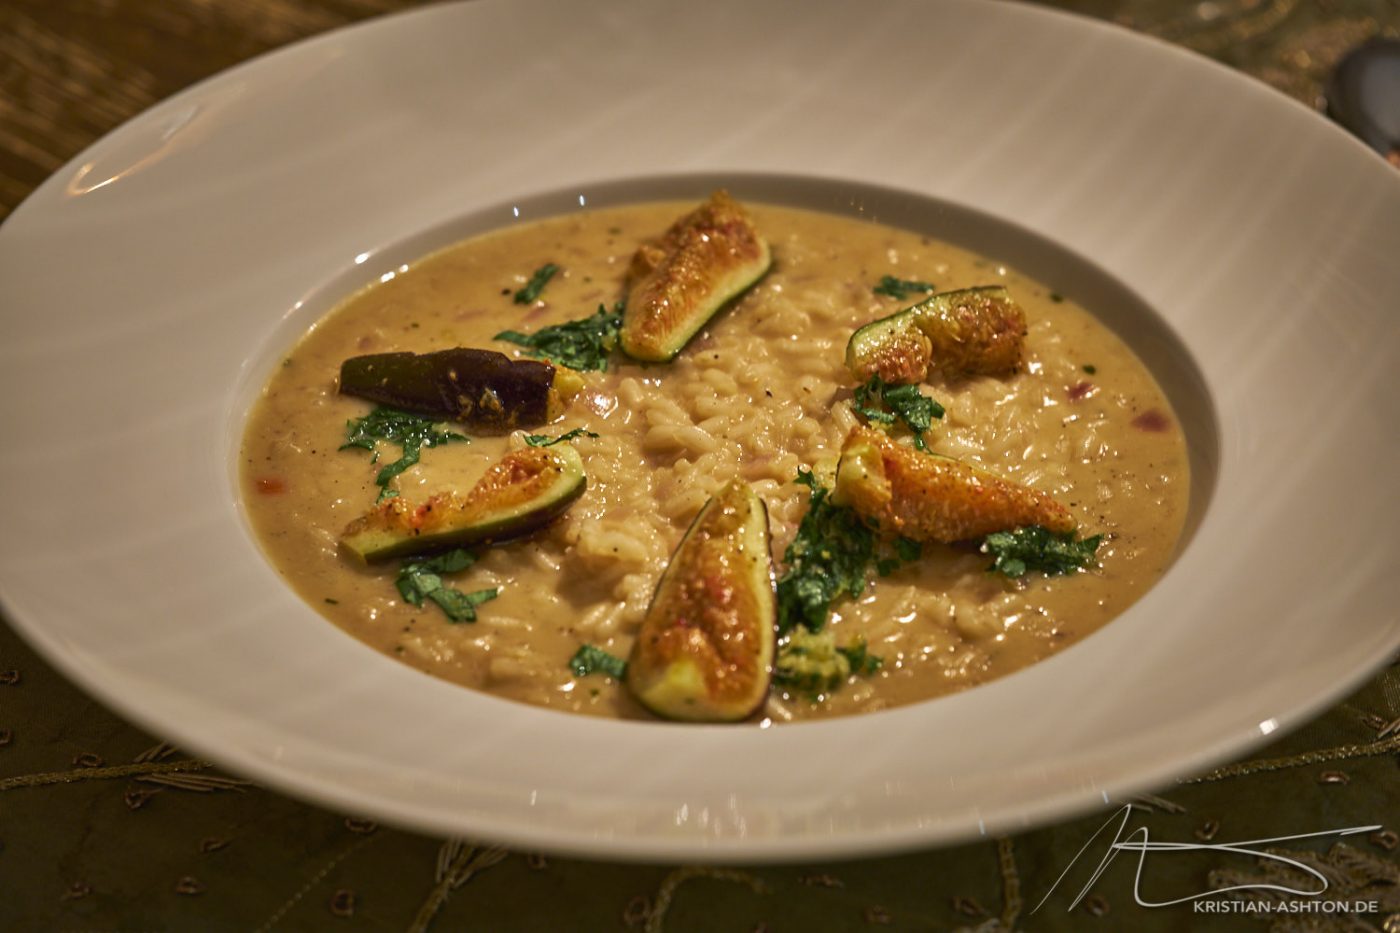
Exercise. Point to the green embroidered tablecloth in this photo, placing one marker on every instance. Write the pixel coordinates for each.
(105, 828)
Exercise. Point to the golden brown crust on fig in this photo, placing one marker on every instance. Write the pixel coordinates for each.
(499, 506)
(705, 648)
(981, 336)
(901, 360)
(708, 616)
(931, 498)
(678, 281)
(971, 332)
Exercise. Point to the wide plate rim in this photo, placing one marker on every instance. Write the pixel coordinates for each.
(555, 838)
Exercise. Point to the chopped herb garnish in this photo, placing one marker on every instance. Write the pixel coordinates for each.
(590, 659)
(459, 606)
(866, 400)
(900, 288)
(862, 662)
(583, 344)
(828, 557)
(544, 440)
(332, 602)
(1090, 368)
(1036, 548)
(906, 551)
(811, 663)
(537, 282)
(411, 432)
(421, 578)
(905, 403)
(913, 408)
(1056, 297)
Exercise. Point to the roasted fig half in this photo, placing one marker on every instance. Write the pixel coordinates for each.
(705, 649)
(970, 332)
(679, 281)
(928, 497)
(523, 491)
(483, 389)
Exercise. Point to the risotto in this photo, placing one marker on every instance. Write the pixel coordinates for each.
(760, 392)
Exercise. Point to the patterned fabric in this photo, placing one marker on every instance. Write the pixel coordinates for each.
(103, 828)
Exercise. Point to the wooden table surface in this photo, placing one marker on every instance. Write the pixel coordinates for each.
(103, 827)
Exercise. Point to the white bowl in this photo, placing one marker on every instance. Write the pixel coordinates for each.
(147, 288)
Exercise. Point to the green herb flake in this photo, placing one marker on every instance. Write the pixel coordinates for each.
(583, 344)
(900, 288)
(862, 662)
(867, 402)
(1090, 368)
(828, 557)
(544, 440)
(1036, 548)
(421, 578)
(537, 282)
(915, 409)
(459, 606)
(905, 403)
(906, 551)
(411, 432)
(812, 664)
(590, 659)
(1056, 297)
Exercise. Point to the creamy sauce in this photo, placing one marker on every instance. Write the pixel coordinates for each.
(759, 392)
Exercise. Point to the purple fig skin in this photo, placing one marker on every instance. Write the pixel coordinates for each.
(482, 389)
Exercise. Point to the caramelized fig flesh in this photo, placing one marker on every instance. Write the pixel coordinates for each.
(970, 332)
(927, 497)
(525, 490)
(681, 280)
(705, 649)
